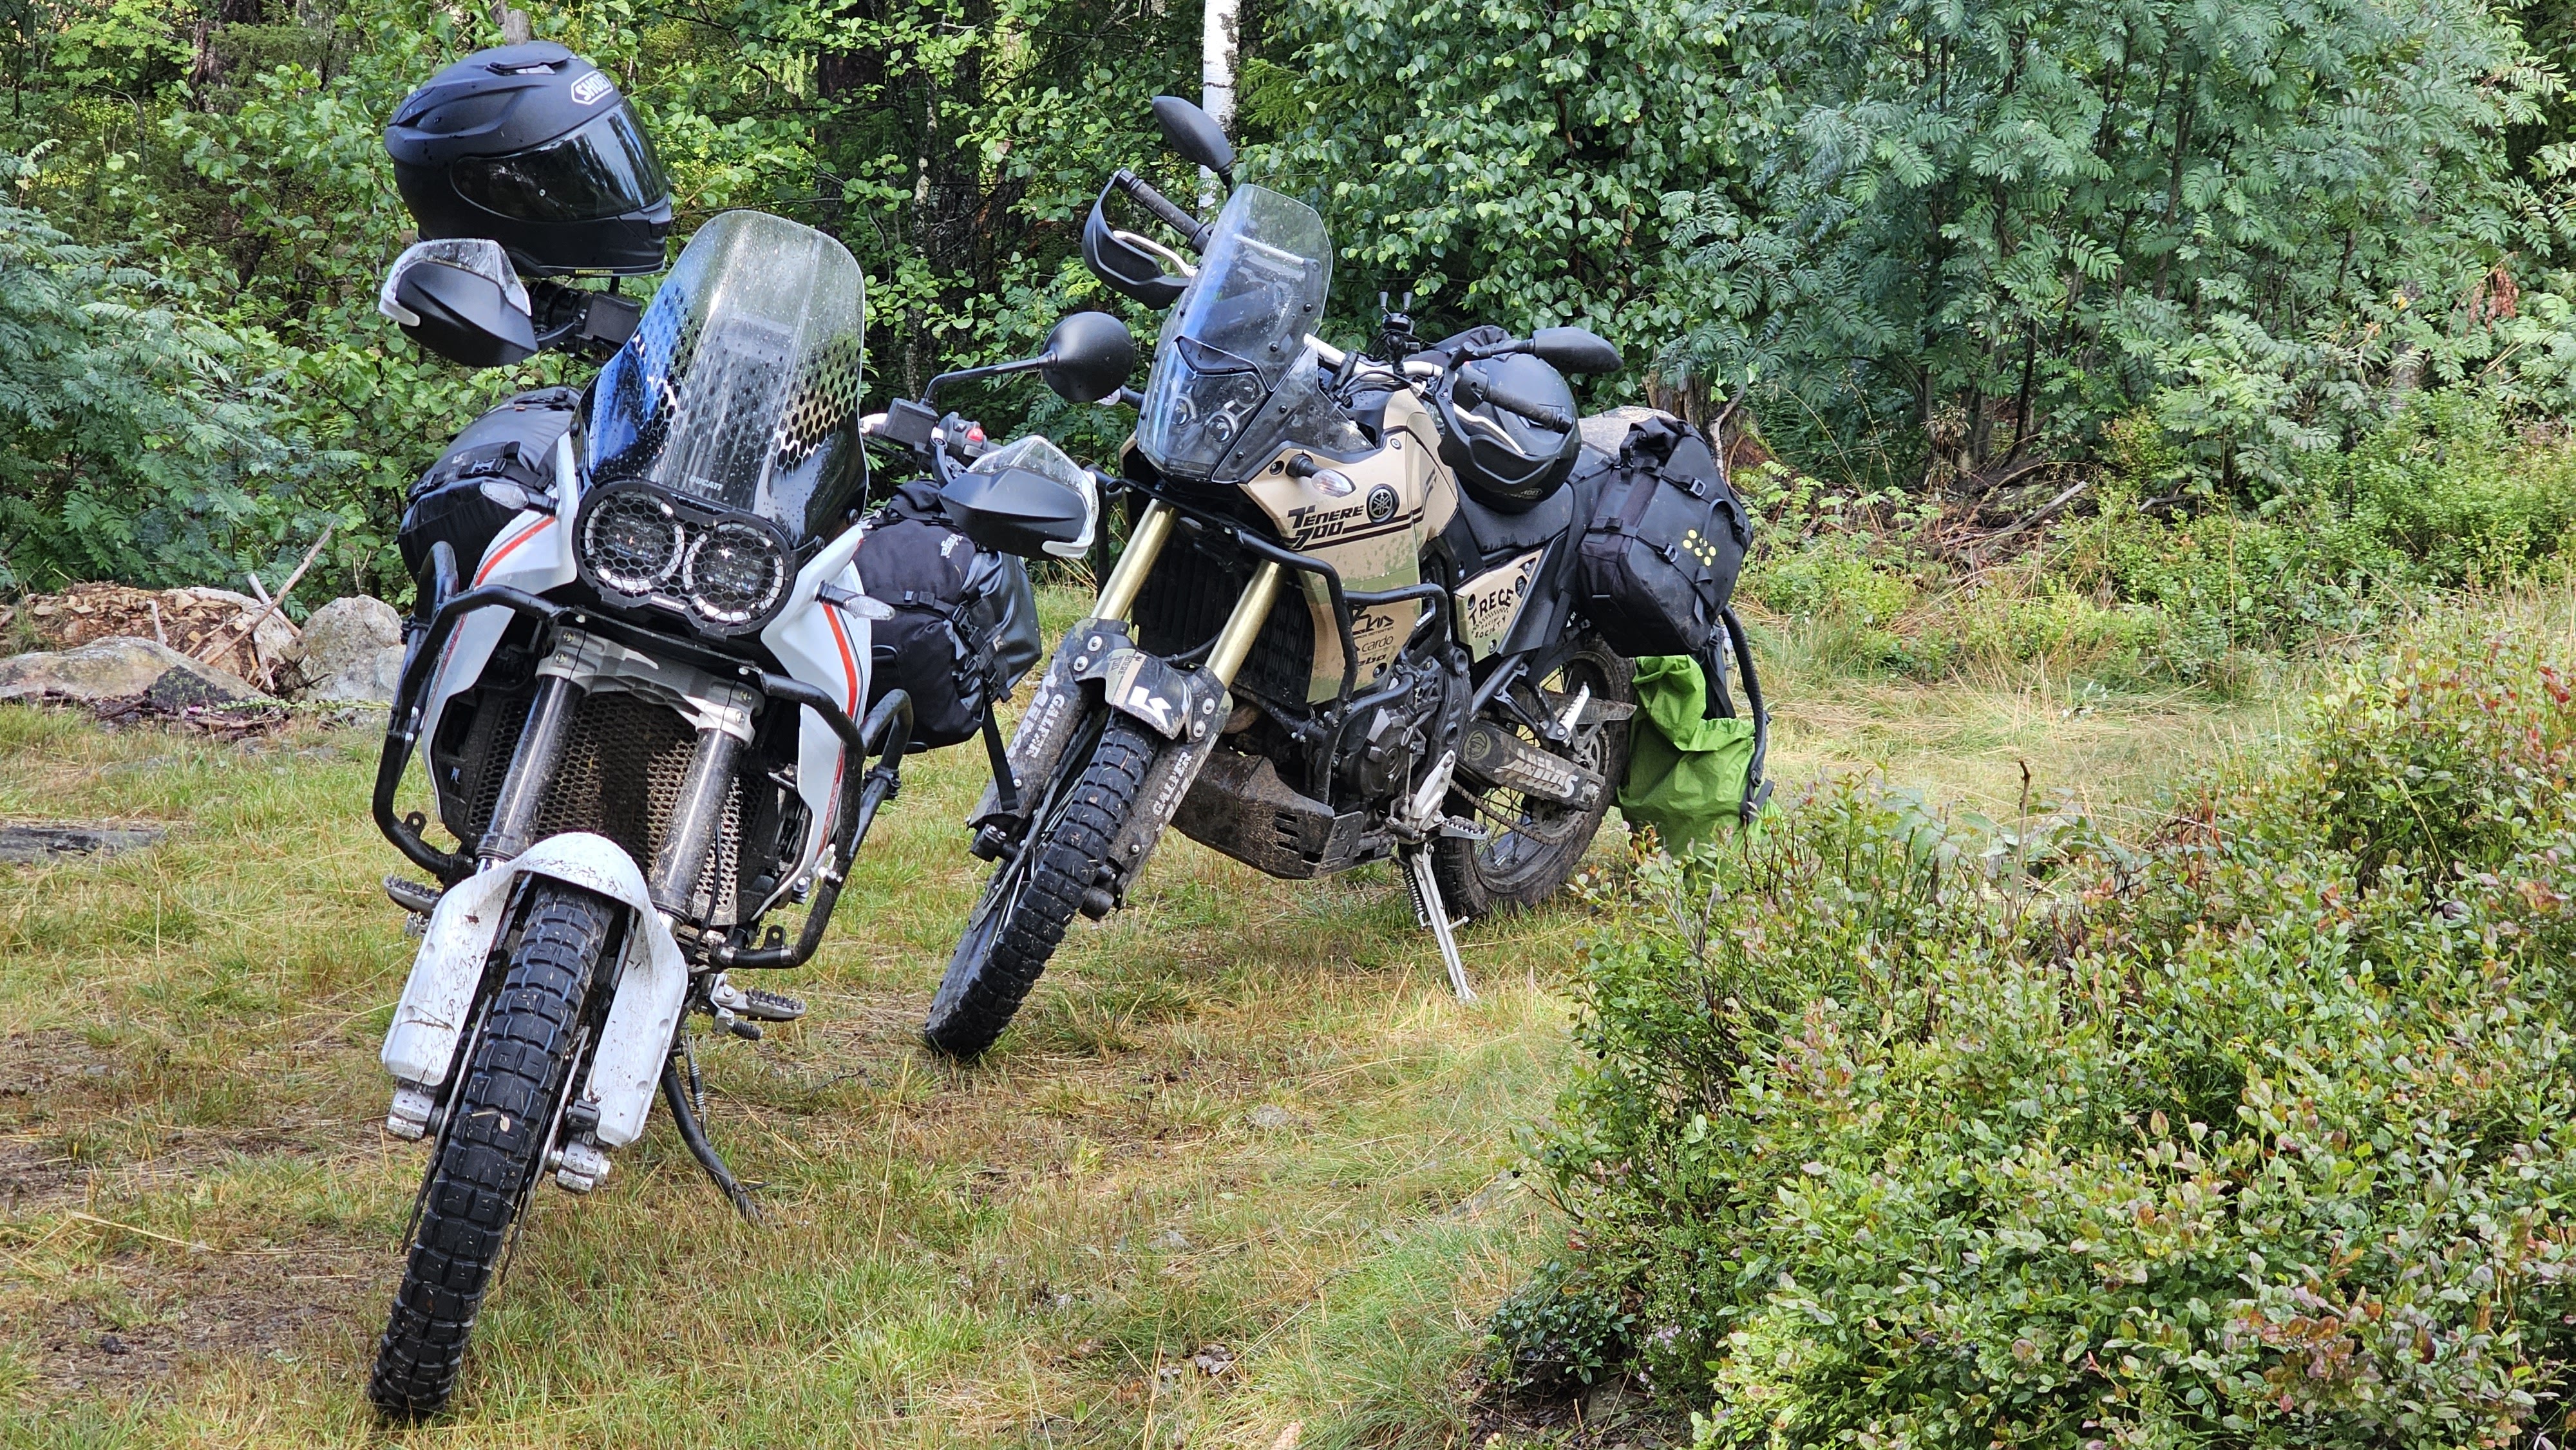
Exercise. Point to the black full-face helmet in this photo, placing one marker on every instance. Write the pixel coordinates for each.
(1506, 460)
(532, 146)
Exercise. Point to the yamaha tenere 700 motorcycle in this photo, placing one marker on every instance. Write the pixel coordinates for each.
(1317, 649)
(643, 709)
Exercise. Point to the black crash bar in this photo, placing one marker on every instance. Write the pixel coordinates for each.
(888, 728)
(402, 730)
(1344, 601)
(887, 733)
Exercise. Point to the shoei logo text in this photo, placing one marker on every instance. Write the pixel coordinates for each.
(590, 88)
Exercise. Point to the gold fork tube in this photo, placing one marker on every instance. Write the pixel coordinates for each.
(1127, 576)
(1242, 627)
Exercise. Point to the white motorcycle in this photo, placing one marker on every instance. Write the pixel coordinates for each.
(640, 690)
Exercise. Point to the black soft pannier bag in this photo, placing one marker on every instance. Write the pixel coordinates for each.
(965, 625)
(1659, 557)
(501, 462)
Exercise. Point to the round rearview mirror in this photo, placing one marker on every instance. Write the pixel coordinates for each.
(1088, 357)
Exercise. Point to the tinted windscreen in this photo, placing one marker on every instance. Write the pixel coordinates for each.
(606, 168)
(741, 383)
(1236, 336)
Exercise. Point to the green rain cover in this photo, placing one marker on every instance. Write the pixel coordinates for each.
(1685, 772)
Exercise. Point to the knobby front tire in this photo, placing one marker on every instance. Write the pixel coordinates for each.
(1032, 898)
(492, 1151)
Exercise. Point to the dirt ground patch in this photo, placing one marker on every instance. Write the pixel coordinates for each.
(134, 1322)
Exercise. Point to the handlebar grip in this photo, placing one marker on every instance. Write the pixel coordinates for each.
(1163, 207)
(1546, 415)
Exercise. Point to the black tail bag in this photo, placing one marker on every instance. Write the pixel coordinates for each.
(965, 625)
(1657, 566)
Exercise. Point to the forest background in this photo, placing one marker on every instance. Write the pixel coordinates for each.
(2205, 297)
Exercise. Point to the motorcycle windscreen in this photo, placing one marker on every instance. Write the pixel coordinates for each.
(1235, 334)
(741, 384)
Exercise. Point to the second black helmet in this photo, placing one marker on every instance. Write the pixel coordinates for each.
(532, 146)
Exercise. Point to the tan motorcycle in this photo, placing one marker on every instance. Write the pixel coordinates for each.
(1343, 627)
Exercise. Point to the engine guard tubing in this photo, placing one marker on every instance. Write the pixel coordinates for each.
(402, 727)
(888, 728)
(1343, 600)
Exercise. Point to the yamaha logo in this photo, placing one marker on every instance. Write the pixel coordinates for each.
(1381, 504)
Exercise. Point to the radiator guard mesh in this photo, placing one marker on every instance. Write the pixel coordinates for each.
(623, 762)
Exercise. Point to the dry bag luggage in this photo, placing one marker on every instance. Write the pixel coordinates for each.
(965, 624)
(501, 463)
(1658, 560)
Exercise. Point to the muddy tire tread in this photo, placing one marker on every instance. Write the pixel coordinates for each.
(504, 1109)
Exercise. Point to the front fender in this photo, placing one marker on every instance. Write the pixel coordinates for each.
(1150, 690)
(651, 989)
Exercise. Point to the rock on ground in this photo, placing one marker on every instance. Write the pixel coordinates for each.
(122, 668)
(353, 652)
(27, 843)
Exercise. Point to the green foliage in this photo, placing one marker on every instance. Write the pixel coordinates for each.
(1940, 238)
(1909, 1130)
(1507, 162)
(1562, 1331)
(227, 165)
(135, 436)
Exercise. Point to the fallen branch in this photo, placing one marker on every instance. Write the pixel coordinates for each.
(2046, 512)
(251, 630)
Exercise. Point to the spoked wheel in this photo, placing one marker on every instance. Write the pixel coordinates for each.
(495, 1143)
(1032, 897)
(1531, 846)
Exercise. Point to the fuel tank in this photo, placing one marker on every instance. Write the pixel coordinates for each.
(1370, 520)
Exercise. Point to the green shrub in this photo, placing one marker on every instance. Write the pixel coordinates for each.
(1564, 1330)
(1906, 1130)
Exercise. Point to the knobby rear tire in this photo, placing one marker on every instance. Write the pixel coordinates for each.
(490, 1156)
(1521, 869)
(1021, 921)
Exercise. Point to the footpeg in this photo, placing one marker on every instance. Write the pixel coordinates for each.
(412, 896)
(1431, 911)
(756, 1003)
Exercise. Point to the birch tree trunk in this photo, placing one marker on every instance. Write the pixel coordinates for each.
(1216, 83)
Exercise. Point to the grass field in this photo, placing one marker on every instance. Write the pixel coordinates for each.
(1245, 1165)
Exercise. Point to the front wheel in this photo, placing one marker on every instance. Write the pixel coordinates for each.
(495, 1143)
(1531, 846)
(1033, 896)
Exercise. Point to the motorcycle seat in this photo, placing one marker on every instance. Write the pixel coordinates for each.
(1500, 537)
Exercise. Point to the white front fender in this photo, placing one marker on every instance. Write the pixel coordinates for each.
(652, 982)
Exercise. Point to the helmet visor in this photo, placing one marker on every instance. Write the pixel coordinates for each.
(605, 168)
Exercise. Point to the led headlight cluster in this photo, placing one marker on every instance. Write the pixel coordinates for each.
(727, 572)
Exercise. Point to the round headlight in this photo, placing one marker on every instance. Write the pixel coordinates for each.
(631, 542)
(733, 574)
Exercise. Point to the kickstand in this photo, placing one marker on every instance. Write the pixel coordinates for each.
(1433, 912)
(677, 1094)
